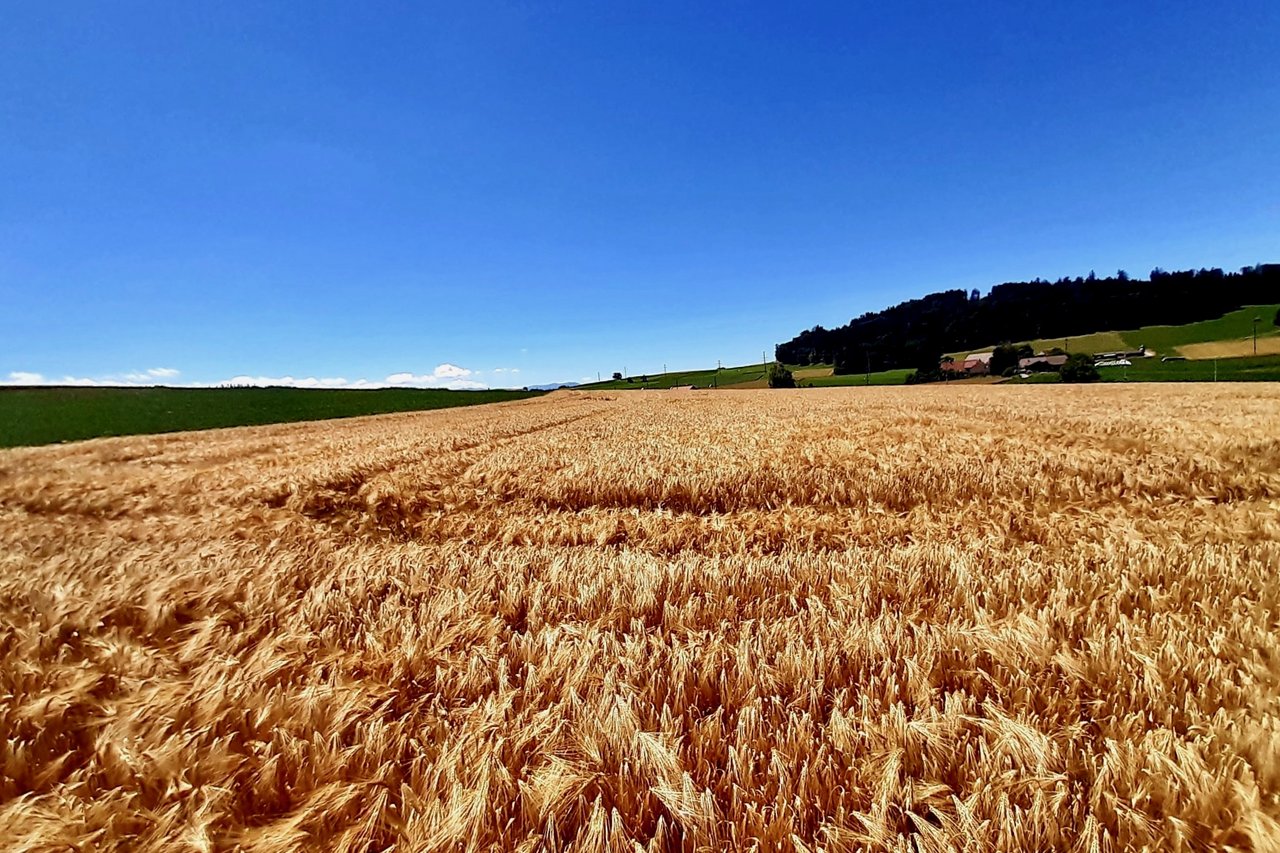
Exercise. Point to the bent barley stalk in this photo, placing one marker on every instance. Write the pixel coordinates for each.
(883, 619)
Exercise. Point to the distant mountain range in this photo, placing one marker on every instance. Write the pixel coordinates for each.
(554, 386)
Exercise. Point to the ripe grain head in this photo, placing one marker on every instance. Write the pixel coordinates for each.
(938, 618)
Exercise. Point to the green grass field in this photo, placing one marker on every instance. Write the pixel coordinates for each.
(746, 376)
(30, 416)
(881, 377)
(701, 378)
(1234, 326)
(1263, 368)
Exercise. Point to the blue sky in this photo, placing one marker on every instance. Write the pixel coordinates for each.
(509, 194)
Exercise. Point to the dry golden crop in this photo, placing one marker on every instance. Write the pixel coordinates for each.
(1032, 618)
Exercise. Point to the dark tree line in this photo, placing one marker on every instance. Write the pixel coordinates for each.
(916, 333)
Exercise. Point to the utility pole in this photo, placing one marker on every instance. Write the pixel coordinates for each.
(1255, 334)
(868, 354)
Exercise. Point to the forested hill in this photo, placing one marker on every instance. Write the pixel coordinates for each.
(916, 333)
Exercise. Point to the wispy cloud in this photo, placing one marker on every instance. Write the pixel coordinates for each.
(298, 382)
(446, 375)
(150, 376)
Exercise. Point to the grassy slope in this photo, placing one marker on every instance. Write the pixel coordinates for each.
(30, 416)
(881, 377)
(1260, 369)
(701, 378)
(1234, 326)
(1237, 325)
(1265, 345)
(752, 376)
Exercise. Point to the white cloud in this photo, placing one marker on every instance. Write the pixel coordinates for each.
(395, 380)
(133, 377)
(144, 377)
(506, 370)
(86, 382)
(450, 371)
(448, 376)
(22, 377)
(114, 381)
(430, 380)
(444, 371)
(299, 382)
(445, 375)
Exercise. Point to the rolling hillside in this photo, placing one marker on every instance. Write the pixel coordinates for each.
(746, 376)
(1228, 336)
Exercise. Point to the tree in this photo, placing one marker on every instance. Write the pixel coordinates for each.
(1122, 275)
(909, 334)
(780, 377)
(617, 376)
(1005, 357)
(1079, 368)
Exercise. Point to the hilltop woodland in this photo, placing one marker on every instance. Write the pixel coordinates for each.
(916, 333)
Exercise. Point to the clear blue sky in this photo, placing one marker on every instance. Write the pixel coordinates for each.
(362, 190)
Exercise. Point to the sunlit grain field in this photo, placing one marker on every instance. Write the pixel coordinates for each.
(1031, 618)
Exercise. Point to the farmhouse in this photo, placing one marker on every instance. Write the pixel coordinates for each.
(973, 364)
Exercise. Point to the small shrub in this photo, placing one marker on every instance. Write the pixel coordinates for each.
(780, 377)
(1079, 368)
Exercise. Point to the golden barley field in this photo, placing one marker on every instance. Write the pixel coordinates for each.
(904, 619)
